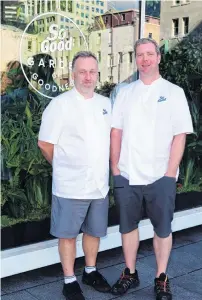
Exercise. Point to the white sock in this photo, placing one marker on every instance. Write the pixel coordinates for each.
(90, 269)
(69, 279)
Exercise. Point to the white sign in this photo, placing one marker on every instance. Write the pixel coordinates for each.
(50, 68)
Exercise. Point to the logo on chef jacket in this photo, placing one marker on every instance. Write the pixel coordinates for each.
(161, 99)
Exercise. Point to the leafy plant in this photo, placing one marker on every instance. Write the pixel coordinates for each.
(183, 66)
(28, 187)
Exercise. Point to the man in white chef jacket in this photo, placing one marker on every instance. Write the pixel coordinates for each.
(75, 138)
(150, 121)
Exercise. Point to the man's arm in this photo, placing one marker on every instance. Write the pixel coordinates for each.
(176, 153)
(47, 150)
(115, 149)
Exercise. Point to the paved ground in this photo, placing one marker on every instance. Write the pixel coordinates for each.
(185, 272)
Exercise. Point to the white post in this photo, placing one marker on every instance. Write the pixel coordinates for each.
(142, 17)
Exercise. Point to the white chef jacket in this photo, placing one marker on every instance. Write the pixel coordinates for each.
(150, 116)
(80, 131)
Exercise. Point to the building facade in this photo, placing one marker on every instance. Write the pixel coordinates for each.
(178, 19)
(113, 41)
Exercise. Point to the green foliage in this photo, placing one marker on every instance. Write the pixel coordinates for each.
(105, 89)
(183, 66)
(28, 187)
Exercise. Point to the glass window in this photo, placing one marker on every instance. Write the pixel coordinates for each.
(77, 22)
(123, 17)
(131, 54)
(150, 35)
(186, 25)
(97, 10)
(175, 27)
(29, 46)
(99, 56)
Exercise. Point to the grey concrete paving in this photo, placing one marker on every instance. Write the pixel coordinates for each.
(184, 270)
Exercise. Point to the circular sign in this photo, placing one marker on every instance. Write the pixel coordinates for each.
(50, 66)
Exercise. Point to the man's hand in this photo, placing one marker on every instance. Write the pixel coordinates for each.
(170, 174)
(115, 171)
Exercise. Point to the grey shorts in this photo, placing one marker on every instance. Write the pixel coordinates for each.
(159, 202)
(70, 216)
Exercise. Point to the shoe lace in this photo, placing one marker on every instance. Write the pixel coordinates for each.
(163, 286)
(125, 280)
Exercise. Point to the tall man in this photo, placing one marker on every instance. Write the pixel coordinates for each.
(75, 138)
(149, 125)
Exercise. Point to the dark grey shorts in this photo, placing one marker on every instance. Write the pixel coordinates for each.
(159, 202)
(69, 216)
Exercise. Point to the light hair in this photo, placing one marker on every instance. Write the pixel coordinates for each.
(146, 41)
(83, 54)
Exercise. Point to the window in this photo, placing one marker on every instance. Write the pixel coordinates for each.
(106, 19)
(123, 17)
(120, 57)
(99, 56)
(150, 35)
(99, 39)
(101, 3)
(97, 10)
(87, 16)
(87, 7)
(80, 40)
(93, 9)
(77, 22)
(130, 57)
(82, 22)
(186, 25)
(175, 27)
(102, 11)
(77, 5)
(29, 45)
(82, 15)
(82, 6)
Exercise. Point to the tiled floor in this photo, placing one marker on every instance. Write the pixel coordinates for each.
(185, 272)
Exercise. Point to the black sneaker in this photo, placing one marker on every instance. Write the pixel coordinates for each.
(97, 281)
(125, 282)
(162, 287)
(72, 291)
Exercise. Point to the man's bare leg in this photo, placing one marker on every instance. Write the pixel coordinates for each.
(67, 251)
(162, 249)
(90, 249)
(130, 243)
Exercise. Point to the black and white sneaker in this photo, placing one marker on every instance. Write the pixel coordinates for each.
(125, 282)
(72, 291)
(162, 287)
